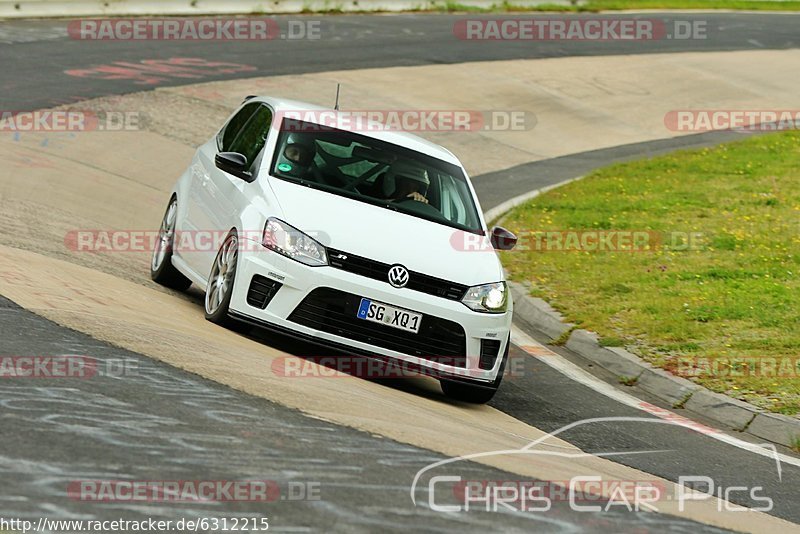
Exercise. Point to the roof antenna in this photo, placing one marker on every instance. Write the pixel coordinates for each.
(336, 106)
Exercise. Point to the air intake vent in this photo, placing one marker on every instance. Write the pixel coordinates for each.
(335, 312)
(489, 350)
(261, 291)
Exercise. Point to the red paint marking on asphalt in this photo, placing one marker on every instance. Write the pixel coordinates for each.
(155, 71)
(661, 413)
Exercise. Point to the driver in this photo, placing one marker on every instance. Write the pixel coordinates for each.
(410, 181)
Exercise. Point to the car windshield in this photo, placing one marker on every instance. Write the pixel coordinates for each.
(368, 170)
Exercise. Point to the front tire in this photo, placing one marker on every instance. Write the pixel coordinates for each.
(219, 289)
(161, 269)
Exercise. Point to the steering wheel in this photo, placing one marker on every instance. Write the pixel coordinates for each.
(332, 167)
(351, 186)
(416, 206)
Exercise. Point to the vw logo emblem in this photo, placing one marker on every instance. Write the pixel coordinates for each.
(398, 276)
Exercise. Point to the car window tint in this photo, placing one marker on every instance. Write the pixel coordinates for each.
(234, 126)
(366, 169)
(253, 135)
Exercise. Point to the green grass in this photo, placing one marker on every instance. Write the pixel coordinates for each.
(610, 5)
(561, 340)
(611, 342)
(628, 380)
(616, 5)
(734, 294)
(336, 8)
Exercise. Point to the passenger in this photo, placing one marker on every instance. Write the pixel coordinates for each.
(300, 152)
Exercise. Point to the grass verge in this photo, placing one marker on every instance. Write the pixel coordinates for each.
(590, 6)
(712, 293)
(755, 5)
(594, 6)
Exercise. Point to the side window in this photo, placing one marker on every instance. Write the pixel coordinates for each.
(228, 134)
(452, 203)
(253, 135)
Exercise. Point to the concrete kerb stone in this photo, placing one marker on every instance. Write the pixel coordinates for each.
(731, 412)
(776, 428)
(617, 361)
(538, 312)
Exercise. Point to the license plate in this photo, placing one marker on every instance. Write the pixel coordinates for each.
(377, 312)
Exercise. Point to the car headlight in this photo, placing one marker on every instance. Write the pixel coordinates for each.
(291, 242)
(488, 298)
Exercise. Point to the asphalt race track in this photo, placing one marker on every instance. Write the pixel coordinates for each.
(164, 423)
(37, 53)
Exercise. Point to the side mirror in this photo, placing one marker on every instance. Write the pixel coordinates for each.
(502, 239)
(235, 164)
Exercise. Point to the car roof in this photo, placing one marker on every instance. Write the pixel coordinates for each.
(403, 139)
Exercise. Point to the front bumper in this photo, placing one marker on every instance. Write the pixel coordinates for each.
(299, 282)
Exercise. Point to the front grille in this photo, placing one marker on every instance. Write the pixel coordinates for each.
(333, 311)
(380, 271)
(489, 350)
(261, 291)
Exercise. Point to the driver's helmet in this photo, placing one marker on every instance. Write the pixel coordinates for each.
(299, 149)
(404, 170)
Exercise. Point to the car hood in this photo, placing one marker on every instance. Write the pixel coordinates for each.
(388, 236)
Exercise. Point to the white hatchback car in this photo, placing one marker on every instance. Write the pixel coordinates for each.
(347, 239)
